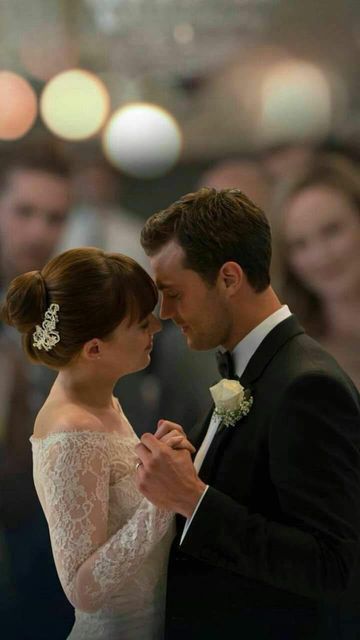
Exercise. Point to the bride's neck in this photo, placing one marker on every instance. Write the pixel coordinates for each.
(81, 388)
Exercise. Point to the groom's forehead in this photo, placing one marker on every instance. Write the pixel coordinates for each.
(170, 279)
(169, 256)
(166, 282)
(168, 263)
(179, 279)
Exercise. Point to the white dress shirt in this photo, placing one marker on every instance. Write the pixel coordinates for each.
(241, 354)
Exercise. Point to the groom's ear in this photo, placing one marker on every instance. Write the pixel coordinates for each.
(232, 276)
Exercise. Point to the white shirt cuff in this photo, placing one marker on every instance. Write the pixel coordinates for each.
(189, 520)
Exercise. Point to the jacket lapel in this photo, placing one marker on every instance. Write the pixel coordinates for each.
(284, 331)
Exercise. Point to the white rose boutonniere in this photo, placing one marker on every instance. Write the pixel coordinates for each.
(232, 401)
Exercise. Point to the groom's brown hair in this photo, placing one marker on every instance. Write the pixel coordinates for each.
(213, 227)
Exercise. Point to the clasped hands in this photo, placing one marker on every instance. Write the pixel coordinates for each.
(165, 472)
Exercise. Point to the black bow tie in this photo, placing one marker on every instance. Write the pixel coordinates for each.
(225, 364)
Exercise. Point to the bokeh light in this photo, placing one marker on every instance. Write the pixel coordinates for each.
(184, 33)
(75, 104)
(47, 50)
(295, 101)
(18, 106)
(143, 140)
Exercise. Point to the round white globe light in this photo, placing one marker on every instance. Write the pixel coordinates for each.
(296, 101)
(142, 140)
(75, 104)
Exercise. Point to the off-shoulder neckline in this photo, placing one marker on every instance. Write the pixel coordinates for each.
(54, 434)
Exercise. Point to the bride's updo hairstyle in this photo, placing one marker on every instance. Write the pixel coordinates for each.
(95, 291)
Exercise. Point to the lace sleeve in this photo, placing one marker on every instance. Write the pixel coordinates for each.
(75, 474)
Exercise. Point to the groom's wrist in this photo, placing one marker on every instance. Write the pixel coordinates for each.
(190, 501)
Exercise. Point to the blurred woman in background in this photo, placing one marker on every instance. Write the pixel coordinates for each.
(317, 230)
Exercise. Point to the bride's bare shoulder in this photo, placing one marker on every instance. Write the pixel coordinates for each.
(65, 416)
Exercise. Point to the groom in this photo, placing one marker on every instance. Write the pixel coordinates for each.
(270, 531)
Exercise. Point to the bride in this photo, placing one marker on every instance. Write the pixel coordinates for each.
(88, 314)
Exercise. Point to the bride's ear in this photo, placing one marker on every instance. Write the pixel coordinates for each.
(92, 349)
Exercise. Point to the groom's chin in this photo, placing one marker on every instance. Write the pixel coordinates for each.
(195, 343)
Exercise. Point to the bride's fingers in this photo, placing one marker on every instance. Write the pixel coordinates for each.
(166, 426)
(185, 444)
(180, 442)
(177, 440)
(171, 434)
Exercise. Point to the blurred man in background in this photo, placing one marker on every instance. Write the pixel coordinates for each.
(246, 174)
(98, 217)
(34, 204)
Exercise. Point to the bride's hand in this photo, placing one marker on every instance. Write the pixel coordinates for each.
(173, 435)
(165, 426)
(176, 441)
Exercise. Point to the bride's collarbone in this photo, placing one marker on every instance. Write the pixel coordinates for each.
(70, 419)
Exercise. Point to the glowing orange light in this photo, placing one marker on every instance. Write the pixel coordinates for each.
(18, 106)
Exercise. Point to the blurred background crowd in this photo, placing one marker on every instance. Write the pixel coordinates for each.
(111, 110)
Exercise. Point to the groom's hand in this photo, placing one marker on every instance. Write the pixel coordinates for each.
(167, 477)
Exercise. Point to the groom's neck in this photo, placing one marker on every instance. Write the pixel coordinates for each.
(249, 312)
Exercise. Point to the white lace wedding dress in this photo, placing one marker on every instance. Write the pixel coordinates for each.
(110, 544)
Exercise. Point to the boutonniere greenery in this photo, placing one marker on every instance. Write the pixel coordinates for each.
(232, 401)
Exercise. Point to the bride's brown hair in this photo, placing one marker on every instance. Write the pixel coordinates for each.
(95, 291)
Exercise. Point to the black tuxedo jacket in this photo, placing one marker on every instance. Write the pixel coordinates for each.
(276, 537)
